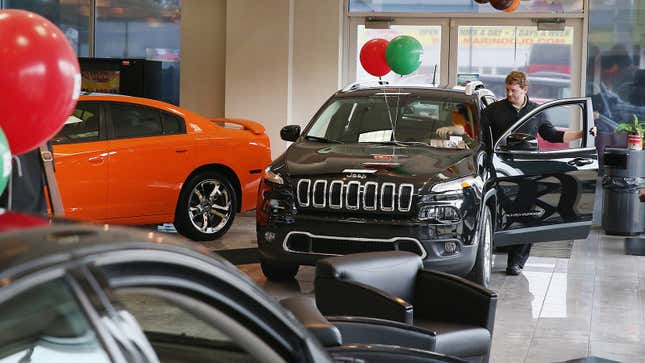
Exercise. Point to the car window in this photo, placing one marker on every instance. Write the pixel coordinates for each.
(383, 118)
(562, 117)
(172, 124)
(81, 126)
(45, 324)
(134, 121)
(177, 334)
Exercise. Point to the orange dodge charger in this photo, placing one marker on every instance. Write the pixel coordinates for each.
(129, 160)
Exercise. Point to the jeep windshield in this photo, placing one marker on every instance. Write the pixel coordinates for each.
(400, 118)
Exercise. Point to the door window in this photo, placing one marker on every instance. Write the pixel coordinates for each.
(177, 333)
(81, 126)
(134, 121)
(563, 117)
(172, 124)
(45, 324)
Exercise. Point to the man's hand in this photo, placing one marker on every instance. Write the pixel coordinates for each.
(446, 131)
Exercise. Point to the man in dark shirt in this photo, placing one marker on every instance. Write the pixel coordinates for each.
(502, 115)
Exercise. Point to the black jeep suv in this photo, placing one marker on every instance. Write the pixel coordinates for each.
(403, 168)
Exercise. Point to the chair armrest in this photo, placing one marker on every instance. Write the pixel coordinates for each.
(388, 353)
(443, 297)
(339, 297)
(305, 310)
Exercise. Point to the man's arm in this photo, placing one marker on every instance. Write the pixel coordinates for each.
(575, 135)
(549, 132)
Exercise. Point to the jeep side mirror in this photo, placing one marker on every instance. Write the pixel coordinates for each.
(521, 141)
(290, 133)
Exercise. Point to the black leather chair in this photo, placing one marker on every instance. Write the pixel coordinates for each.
(328, 334)
(388, 298)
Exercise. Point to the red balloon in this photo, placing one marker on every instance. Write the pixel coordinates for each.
(40, 79)
(373, 57)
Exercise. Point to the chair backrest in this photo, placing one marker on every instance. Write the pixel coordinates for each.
(394, 272)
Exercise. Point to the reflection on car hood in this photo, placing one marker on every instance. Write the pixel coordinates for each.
(310, 158)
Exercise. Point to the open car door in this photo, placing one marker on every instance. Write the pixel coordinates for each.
(546, 195)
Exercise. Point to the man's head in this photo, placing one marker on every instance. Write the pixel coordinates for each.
(516, 87)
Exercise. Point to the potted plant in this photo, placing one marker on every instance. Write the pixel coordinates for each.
(635, 131)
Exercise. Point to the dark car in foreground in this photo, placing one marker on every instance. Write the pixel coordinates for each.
(80, 293)
(376, 170)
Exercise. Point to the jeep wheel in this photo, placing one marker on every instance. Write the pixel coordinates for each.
(278, 271)
(484, 263)
(206, 207)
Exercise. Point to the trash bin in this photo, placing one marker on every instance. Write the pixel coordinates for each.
(623, 213)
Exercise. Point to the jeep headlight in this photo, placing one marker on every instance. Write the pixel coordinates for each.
(439, 213)
(457, 185)
(273, 177)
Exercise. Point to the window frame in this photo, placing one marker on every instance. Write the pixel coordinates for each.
(111, 135)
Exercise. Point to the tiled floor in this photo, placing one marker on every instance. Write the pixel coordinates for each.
(592, 304)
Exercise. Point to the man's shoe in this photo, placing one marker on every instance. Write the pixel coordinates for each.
(514, 270)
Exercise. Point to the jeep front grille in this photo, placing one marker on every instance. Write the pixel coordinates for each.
(354, 195)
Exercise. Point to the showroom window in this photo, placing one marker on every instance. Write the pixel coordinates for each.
(134, 121)
(144, 29)
(430, 38)
(71, 16)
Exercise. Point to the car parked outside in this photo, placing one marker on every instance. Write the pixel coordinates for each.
(375, 170)
(129, 160)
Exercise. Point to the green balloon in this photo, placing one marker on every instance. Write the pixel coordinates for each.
(403, 54)
(5, 161)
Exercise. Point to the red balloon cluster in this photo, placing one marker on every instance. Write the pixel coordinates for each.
(40, 79)
(373, 59)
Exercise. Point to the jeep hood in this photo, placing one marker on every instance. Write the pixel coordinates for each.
(411, 162)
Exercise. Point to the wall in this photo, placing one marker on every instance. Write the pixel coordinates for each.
(282, 60)
(257, 69)
(317, 55)
(203, 56)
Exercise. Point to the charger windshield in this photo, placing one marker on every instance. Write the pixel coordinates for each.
(397, 117)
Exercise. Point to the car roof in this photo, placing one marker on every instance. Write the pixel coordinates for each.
(421, 90)
(29, 243)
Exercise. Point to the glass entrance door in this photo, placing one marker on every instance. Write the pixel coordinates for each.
(551, 59)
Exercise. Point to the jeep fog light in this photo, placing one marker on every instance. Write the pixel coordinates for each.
(269, 236)
(450, 248)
